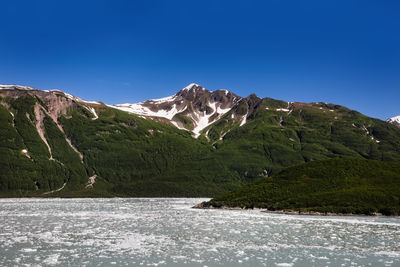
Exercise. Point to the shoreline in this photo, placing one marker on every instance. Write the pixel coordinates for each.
(201, 206)
(297, 212)
(97, 197)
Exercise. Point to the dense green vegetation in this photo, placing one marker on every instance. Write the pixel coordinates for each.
(31, 173)
(272, 140)
(338, 185)
(132, 156)
(141, 157)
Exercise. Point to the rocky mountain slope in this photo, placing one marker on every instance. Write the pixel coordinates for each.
(193, 108)
(195, 143)
(395, 121)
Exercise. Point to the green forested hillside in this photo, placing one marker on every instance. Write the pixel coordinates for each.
(339, 185)
(22, 174)
(131, 156)
(134, 156)
(140, 157)
(272, 140)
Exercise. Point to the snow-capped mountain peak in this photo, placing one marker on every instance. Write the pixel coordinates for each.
(196, 106)
(191, 86)
(395, 120)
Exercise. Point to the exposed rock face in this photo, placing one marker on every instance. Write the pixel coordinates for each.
(193, 108)
(39, 116)
(55, 102)
(52, 103)
(248, 138)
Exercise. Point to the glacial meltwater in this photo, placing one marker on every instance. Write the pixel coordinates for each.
(168, 232)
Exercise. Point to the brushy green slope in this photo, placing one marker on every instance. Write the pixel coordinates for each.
(34, 173)
(272, 140)
(140, 157)
(339, 185)
(133, 156)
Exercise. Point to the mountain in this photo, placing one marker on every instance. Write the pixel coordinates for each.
(395, 121)
(338, 185)
(193, 108)
(194, 143)
(55, 144)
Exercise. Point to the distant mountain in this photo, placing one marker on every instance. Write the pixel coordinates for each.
(194, 143)
(193, 108)
(198, 110)
(395, 121)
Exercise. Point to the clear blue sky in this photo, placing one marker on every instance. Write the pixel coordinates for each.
(344, 52)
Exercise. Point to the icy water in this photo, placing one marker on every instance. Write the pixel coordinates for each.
(167, 232)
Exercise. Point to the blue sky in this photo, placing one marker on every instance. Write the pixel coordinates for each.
(343, 52)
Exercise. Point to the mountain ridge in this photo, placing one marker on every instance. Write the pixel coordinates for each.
(146, 108)
(54, 142)
(192, 108)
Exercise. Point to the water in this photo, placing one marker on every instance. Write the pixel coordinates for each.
(167, 232)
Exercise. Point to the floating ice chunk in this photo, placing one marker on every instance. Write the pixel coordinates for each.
(284, 264)
(52, 259)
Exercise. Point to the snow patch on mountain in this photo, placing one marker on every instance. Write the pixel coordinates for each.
(191, 86)
(75, 98)
(93, 111)
(282, 109)
(203, 120)
(224, 90)
(178, 126)
(243, 122)
(89, 102)
(15, 87)
(163, 100)
(139, 109)
(394, 120)
(169, 106)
